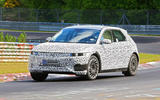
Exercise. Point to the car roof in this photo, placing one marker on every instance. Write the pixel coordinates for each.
(99, 27)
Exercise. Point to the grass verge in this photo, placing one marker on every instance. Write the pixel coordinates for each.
(13, 68)
(144, 34)
(23, 67)
(144, 57)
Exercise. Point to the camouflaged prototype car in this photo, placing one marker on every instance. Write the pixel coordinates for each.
(85, 50)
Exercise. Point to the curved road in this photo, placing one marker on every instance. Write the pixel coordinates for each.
(148, 44)
(110, 86)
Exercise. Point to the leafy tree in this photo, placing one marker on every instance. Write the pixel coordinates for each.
(42, 4)
(114, 4)
(22, 37)
(12, 38)
(73, 4)
(7, 38)
(88, 11)
(83, 4)
(2, 3)
(1, 37)
(11, 3)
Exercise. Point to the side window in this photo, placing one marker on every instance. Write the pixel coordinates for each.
(118, 35)
(107, 35)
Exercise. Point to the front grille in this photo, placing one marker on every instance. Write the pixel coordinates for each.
(51, 54)
(54, 63)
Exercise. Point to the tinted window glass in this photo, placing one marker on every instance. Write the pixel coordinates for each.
(118, 35)
(107, 35)
(77, 35)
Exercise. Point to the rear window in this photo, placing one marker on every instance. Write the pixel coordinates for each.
(118, 35)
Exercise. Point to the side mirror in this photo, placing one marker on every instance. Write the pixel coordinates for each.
(48, 39)
(106, 41)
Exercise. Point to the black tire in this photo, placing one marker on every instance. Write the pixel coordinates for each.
(132, 66)
(39, 76)
(93, 68)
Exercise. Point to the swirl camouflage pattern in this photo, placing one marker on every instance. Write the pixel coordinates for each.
(85, 50)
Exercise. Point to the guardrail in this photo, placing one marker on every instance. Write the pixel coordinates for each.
(52, 26)
(15, 52)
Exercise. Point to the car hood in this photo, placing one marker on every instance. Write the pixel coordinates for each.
(64, 47)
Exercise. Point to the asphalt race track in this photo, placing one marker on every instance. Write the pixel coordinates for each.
(149, 44)
(109, 86)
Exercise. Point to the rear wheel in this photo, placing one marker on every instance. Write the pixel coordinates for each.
(132, 66)
(93, 68)
(39, 76)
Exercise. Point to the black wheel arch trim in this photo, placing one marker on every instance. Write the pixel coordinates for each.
(136, 55)
(99, 59)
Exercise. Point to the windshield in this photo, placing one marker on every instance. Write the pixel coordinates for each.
(76, 35)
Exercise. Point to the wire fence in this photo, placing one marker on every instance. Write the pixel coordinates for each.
(132, 17)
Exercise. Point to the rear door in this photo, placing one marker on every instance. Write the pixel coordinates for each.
(121, 49)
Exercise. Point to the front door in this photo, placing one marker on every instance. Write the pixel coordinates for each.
(107, 51)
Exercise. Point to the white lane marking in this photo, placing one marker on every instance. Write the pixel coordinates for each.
(135, 95)
(141, 95)
(151, 63)
(149, 95)
(91, 90)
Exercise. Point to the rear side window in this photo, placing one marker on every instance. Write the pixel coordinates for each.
(118, 35)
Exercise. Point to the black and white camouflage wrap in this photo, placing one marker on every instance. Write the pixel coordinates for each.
(113, 56)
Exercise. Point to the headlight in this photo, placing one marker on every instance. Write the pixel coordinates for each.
(56, 54)
(78, 54)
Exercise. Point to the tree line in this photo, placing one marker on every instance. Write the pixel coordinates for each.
(82, 4)
(138, 12)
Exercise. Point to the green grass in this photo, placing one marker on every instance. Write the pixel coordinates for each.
(13, 67)
(144, 57)
(23, 67)
(144, 34)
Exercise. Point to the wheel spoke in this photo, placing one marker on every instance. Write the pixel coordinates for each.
(93, 68)
(133, 64)
(132, 67)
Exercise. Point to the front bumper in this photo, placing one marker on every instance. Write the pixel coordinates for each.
(76, 65)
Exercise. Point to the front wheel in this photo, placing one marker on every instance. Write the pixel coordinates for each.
(39, 76)
(93, 68)
(132, 66)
